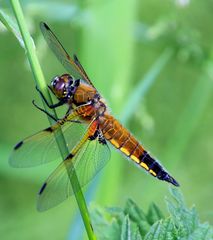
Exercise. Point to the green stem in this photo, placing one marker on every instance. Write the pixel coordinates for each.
(40, 82)
(144, 85)
(190, 116)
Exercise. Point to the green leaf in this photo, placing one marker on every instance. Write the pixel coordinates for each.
(132, 223)
(137, 216)
(186, 220)
(106, 226)
(116, 213)
(203, 232)
(161, 230)
(154, 214)
(136, 235)
(11, 25)
(125, 230)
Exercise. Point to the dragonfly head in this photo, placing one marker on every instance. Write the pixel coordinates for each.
(63, 87)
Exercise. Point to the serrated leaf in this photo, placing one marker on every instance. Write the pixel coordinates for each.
(162, 230)
(114, 210)
(10, 23)
(202, 232)
(116, 213)
(154, 214)
(132, 223)
(177, 195)
(105, 226)
(185, 219)
(136, 235)
(125, 229)
(137, 215)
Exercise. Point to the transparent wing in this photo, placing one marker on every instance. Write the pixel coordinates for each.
(72, 66)
(90, 159)
(42, 147)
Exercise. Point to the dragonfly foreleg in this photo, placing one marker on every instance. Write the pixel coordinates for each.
(58, 104)
(43, 110)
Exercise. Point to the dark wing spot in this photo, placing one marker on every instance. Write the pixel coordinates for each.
(91, 226)
(49, 129)
(42, 188)
(75, 59)
(18, 145)
(69, 156)
(45, 25)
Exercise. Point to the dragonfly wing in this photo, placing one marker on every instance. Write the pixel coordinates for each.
(42, 147)
(72, 66)
(88, 161)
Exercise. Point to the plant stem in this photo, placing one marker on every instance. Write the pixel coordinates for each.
(40, 82)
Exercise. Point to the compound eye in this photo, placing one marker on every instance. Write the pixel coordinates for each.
(55, 81)
(70, 79)
(64, 91)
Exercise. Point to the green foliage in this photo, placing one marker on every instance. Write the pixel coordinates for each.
(186, 220)
(132, 223)
(171, 114)
(11, 25)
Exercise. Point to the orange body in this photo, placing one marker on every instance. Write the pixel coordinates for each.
(83, 94)
(117, 135)
(123, 140)
(80, 94)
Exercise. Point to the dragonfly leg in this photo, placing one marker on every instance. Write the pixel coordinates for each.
(45, 100)
(70, 109)
(43, 110)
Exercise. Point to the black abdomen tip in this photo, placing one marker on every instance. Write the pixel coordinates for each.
(18, 145)
(166, 177)
(173, 181)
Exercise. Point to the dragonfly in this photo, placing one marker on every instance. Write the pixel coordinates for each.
(88, 128)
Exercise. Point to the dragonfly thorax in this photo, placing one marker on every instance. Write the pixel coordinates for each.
(64, 86)
(84, 94)
(99, 105)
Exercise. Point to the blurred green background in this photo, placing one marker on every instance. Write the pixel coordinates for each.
(152, 61)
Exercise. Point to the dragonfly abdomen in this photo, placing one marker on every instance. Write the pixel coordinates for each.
(121, 138)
